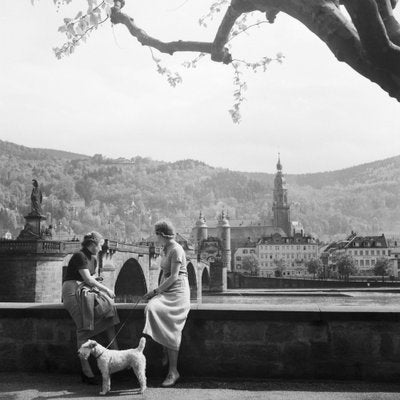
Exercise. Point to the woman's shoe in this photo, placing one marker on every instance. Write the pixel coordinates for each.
(90, 380)
(170, 380)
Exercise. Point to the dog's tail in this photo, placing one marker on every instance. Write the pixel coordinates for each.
(142, 343)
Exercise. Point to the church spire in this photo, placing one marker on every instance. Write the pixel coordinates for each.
(279, 165)
(280, 206)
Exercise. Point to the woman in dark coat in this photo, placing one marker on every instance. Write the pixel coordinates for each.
(79, 277)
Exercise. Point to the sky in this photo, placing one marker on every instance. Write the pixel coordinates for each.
(107, 98)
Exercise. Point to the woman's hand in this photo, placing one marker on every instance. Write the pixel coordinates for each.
(149, 295)
(111, 293)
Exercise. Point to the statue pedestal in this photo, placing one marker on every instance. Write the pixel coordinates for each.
(32, 229)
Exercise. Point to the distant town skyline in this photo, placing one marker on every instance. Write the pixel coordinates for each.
(108, 98)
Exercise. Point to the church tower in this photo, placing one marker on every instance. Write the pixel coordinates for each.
(280, 207)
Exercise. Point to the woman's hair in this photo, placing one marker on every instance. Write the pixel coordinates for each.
(92, 237)
(165, 229)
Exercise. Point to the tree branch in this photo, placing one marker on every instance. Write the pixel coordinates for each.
(117, 17)
(367, 43)
(391, 24)
(349, 40)
(219, 51)
(372, 32)
(380, 51)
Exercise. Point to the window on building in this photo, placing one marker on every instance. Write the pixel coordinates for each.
(252, 251)
(361, 252)
(383, 252)
(367, 263)
(372, 262)
(361, 263)
(372, 252)
(356, 262)
(245, 251)
(238, 258)
(378, 252)
(239, 266)
(366, 252)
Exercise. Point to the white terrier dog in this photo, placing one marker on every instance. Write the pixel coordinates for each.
(110, 361)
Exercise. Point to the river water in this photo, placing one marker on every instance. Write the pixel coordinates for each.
(337, 298)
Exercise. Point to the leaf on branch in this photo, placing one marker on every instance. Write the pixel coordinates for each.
(79, 28)
(172, 78)
(214, 9)
(193, 63)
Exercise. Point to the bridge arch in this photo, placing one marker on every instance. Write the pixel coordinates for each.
(192, 280)
(130, 283)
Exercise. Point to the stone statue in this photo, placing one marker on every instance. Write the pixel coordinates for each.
(36, 199)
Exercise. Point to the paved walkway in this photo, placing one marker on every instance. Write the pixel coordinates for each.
(29, 386)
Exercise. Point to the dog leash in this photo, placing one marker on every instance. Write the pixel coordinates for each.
(120, 328)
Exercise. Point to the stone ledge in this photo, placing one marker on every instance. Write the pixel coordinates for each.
(309, 312)
(221, 341)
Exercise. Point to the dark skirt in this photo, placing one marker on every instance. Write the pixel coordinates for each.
(70, 301)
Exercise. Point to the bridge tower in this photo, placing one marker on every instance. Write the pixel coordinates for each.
(222, 263)
(201, 231)
(224, 233)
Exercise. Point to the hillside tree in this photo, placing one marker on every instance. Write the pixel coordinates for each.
(250, 264)
(314, 267)
(280, 267)
(381, 267)
(346, 266)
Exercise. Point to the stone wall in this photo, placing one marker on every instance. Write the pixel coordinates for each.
(31, 279)
(250, 282)
(249, 342)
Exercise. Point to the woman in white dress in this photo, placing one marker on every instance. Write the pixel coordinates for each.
(169, 306)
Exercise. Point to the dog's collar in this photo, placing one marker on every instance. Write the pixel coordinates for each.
(99, 354)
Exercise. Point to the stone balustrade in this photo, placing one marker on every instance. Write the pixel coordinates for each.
(38, 247)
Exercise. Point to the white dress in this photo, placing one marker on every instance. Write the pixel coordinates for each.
(166, 313)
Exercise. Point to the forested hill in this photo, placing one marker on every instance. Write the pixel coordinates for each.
(123, 198)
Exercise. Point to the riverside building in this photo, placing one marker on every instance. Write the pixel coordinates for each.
(365, 251)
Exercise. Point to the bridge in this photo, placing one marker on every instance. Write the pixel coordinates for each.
(32, 270)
